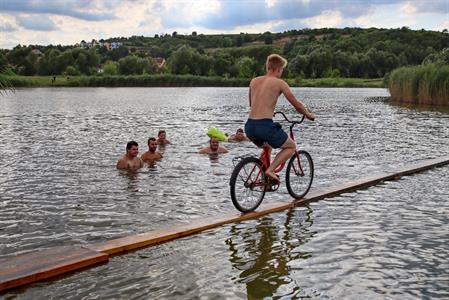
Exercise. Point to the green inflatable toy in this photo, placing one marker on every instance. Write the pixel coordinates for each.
(213, 132)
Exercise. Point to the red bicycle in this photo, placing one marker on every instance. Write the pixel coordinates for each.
(249, 182)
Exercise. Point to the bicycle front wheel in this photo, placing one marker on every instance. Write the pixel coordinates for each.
(299, 174)
(248, 184)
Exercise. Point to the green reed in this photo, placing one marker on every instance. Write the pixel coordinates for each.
(426, 84)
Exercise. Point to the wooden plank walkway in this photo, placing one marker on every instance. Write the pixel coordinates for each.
(35, 266)
(32, 267)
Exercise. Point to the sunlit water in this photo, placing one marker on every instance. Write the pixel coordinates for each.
(59, 186)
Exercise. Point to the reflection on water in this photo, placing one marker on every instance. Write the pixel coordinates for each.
(59, 186)
(422, 107)
(131, 177)
(387, 242)
(262, 254)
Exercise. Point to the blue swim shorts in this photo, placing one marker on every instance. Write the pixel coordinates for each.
(265, 130)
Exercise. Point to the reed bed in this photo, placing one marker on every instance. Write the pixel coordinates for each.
(427, 84)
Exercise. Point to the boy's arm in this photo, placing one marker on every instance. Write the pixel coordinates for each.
(298, 105)
(121, 164)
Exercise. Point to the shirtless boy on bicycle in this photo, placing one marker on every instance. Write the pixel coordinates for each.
(264, 92)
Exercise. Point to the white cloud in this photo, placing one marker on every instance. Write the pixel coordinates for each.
(258, 27)
(442, 26)
(190, 10)
(270, 3)
(408, 8)
(326, 19)
(75, 20)
(7, 23)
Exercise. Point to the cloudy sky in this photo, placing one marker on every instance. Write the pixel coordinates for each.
(67, 22)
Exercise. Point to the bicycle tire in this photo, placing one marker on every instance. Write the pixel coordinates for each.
(248, 177)
(299, 185)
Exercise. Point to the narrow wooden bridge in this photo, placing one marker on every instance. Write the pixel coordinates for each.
(40, 265)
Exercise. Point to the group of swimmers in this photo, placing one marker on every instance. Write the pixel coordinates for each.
(131, 161)
(264, 92)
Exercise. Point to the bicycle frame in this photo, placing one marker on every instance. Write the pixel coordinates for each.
(249, 182)
(266, 159)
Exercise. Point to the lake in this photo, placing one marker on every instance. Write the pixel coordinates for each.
(59, 186)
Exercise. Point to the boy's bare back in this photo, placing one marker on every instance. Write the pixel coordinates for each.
(264, 93)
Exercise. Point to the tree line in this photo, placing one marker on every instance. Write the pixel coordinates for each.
(312, 53)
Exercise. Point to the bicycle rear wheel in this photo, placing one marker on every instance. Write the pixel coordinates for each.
(299, 174)
(248, 184)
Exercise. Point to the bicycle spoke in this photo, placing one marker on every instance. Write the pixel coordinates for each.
(247, 186)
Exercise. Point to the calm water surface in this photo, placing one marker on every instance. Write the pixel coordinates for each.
(59, 186)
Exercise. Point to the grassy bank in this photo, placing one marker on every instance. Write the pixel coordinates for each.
(427, 85)
(168, 80)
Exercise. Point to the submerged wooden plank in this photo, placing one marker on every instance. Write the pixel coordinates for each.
(35, 266)
(40, 265)
(129, 243)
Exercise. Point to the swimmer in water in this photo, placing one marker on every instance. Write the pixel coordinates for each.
(130, 161)
(162, 138)
(152, 154)
(214, 148)
(239, 136)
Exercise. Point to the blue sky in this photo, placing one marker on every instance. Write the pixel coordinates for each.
(67, 22)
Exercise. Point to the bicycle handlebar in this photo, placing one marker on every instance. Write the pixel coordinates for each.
(285, 117)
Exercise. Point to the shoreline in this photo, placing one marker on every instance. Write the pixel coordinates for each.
(168, 80)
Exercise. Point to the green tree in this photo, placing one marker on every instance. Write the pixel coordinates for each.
(82, 64)
(181, 61)
(437, 58)
(222, 63)
(72, 71)
(5, 80)
(132, 64)
(111, 68)
(299, 66)
(62, 61)
(246, 67)
(319, 61)
(129, 65)
(268, 38)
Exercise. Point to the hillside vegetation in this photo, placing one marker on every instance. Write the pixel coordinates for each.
(312, 53)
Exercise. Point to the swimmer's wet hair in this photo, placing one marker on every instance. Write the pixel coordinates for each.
(130, 144)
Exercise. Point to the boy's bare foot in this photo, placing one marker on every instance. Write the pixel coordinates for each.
(272, 177)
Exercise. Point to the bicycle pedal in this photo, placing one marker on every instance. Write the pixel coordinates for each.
(272, 188)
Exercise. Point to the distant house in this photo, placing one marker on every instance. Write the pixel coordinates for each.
(84, 44)
(37, 52)
(159, 62)
(116, 45)
(112, 45)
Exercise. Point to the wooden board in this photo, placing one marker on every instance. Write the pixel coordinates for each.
(35, 266)
(126, 244)
(40, 265)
